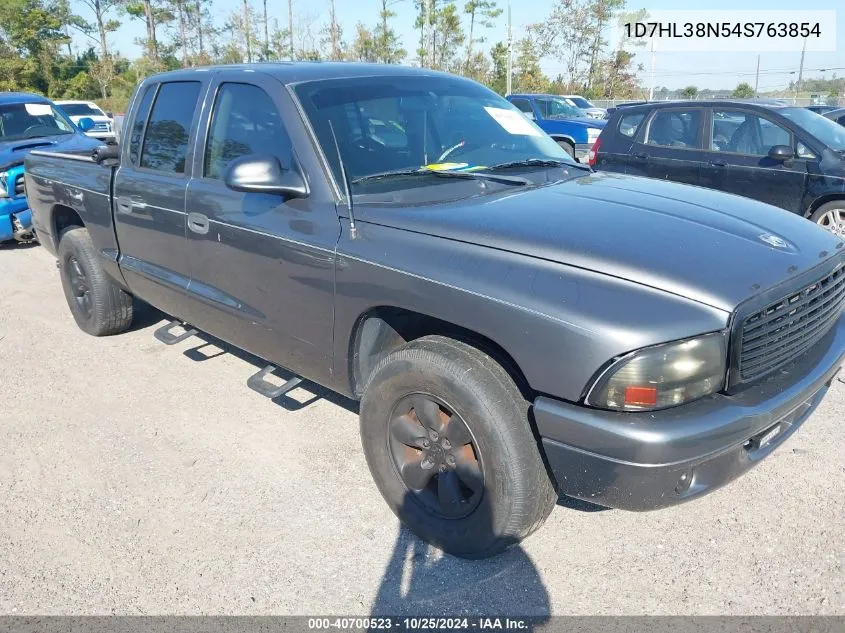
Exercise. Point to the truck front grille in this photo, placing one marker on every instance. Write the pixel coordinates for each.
(19, 186)
(100, 127)
(784, 330)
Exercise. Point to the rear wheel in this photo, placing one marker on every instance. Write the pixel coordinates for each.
(831, 217)
(446, 435)
(98, 305)
(568, 147)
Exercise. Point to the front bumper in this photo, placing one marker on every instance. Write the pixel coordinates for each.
(14, 210)
(645, 461)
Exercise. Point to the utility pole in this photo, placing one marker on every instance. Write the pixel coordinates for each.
(800, 70)
(651, 83)
(757, 79)
(290, 27)
(510, 53)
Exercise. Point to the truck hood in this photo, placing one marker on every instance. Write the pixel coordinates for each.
(13, 152)
(705, 245)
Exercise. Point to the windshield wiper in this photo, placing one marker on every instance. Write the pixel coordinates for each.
(442, 173)
(538, 162)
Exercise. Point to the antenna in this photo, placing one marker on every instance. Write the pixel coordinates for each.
(353, 232)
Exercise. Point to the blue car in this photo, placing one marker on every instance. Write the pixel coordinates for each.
(29, 122)
(569, 126)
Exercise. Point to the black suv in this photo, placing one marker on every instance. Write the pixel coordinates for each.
(787, 156)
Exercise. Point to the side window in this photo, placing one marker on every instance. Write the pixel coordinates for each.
(675, 128)
(745, 133)
(245, 121)
(525, 106)
(140, 121)
(630, 123)
(169, 130)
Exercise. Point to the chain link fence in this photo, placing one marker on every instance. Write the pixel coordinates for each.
(800, 101)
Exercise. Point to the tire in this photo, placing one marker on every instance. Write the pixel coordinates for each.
(99, 306)
(568, 147)
(831, 217)
(516, 495)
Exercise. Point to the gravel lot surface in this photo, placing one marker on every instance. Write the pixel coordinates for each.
(137, 478)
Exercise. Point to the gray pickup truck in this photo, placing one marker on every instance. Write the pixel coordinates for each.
(515, 326)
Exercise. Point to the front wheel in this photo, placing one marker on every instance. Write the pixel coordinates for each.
(446, 435)
(831, 217)
(99, 306)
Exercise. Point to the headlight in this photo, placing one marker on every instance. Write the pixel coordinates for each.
(592, 134)
(663, 376)
(3, 192)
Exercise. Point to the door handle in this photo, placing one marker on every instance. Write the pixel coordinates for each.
(198, 223)
(124, 205)
(641, 156)
(718, 163)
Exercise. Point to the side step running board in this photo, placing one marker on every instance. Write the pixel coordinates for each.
(165, 335)
(267, 389)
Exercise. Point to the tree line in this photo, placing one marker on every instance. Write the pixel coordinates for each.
(39, 49)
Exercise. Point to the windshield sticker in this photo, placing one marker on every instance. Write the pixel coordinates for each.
(446, 166)
(37, 109)
(513, 122)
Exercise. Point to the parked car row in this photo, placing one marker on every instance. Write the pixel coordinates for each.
(786, 156)
(516, 325)
(28, 122)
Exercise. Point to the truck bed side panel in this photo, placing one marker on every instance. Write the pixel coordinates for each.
(56, 185)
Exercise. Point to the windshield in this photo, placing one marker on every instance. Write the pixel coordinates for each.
(581, 102)
(406, 123)
(828, 132)
(554, 108)
(80, 109)
(31, 120)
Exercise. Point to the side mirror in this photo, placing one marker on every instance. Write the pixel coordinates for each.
(781, 153)
(260, 173)
(85, 123)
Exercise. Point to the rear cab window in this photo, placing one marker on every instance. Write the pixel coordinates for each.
(165, 143)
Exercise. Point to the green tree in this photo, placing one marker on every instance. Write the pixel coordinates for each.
(448, 38)
(481, 13)
(364, 47)
(689, 92)
(600, 13)
(528, 76)
(498, 80)
(568, 35)
(743, 91)
(388, 44)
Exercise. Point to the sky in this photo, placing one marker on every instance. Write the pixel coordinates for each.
(672, 69)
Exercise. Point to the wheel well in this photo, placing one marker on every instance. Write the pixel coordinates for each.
(64, 218)
(558, 137)
(823, 200)
(382, 330)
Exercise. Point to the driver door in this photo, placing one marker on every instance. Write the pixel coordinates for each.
(262, 266)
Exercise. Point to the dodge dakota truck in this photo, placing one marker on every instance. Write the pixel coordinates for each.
(515, 326)
(27, 121)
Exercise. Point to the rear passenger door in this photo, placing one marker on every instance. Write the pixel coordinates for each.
(738, 159)
(262, 266)
(669, 146)
(149, 191)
